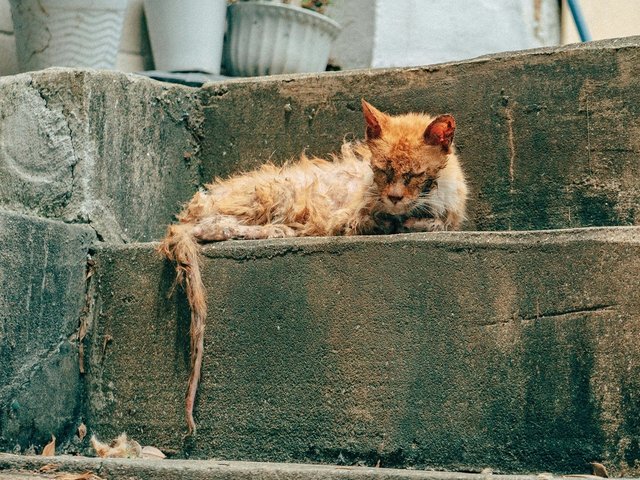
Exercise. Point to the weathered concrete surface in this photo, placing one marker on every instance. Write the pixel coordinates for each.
(119, 469)
(549, 138)
(516, 351)
(117, 151)
(42, 293)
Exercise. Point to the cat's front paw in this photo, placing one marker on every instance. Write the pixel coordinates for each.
(424, 225)
(279, 231)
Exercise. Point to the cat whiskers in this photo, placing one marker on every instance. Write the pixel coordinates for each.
(428, 203)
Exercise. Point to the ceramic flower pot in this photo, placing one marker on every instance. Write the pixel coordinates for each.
(267, 38)
(67, 33)
(186, 35)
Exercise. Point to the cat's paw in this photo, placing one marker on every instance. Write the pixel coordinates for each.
(279, 231)
(211, 233)
(424, 225)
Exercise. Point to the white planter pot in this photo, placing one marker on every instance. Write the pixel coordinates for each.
(268, 38)
(186, 35)
(67, 33)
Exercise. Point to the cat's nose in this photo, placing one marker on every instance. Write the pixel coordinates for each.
(395, 198)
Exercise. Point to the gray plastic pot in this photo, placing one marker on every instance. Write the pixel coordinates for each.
(265, 38)
(186, 35)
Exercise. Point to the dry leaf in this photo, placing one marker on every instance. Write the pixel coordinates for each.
(121, 447)
(49, 467)
(107, 338)
(82, 431)
(49, 449)
(599, 470)
(77, 476)
(592, 477)
(152, 453)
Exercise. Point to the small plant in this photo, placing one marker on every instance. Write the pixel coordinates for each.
(319, 6)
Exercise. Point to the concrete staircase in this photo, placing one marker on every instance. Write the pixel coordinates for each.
(512, 345)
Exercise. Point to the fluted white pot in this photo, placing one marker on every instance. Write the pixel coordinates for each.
(186, 35)
(67, 33)
(265, 38)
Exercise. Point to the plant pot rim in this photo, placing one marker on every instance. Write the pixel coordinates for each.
(332, 26)
(82, 4)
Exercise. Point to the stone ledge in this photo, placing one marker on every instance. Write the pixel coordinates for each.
(548, 137)
(120, 469)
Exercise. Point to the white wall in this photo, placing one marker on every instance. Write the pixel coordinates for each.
(354, 46)
(418, 32)
(605, 19)
(8, 62)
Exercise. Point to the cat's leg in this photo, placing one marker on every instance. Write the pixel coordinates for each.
(226, 227)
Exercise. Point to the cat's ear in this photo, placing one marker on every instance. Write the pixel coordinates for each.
(440, 132)
(374, 119)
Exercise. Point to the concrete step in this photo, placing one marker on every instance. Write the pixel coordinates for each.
(548, 138)
(42, 294)
(516, 351)
(14, 467)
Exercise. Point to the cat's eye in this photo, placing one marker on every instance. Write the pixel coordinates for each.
(386, 173)
(410, 176)
(426, 188)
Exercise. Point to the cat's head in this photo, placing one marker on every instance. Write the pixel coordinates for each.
(407, 153)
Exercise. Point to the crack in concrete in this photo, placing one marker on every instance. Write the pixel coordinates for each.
(588, 135)
(508, 111)
(88, 309)
(572, 311)
(67, 126)
(554, 314)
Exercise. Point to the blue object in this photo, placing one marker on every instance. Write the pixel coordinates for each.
(579, 20)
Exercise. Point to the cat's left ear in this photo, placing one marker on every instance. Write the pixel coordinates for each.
(374, 119)
(440, 132)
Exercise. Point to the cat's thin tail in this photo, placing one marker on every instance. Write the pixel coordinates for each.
(181, 247)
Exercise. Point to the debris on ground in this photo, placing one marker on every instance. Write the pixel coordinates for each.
(124, 447)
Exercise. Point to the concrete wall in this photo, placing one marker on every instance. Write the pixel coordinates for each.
(548, 140)
(103, 148)
(42, 294)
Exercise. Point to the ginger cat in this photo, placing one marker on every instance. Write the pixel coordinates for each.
(404, 178)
